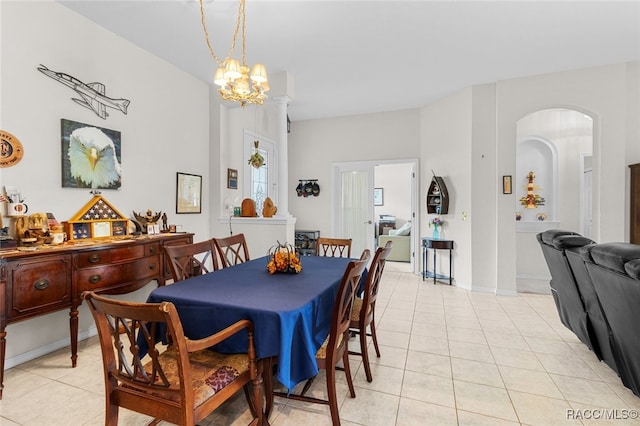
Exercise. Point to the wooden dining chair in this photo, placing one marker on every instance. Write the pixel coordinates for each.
(232, 250)
(335, 346)
(335, 247)
(364, 309)
(182, 382)
(188, 260)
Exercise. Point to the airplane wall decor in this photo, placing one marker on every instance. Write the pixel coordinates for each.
(92, 94)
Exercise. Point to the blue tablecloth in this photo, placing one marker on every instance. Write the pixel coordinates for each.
(291, 312)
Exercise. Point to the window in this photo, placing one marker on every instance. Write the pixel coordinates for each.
(260, 183)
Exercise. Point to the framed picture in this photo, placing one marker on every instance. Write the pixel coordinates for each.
(506, 184)
(378, 197)
(101, 229)
(77, 169)
(232, 179)
(188, 193)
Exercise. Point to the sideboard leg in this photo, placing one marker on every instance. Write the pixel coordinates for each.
(73, 328)
(3, 347)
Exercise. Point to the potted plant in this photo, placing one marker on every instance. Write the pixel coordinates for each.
(256, 159)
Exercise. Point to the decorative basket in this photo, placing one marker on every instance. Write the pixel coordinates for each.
(283, 258)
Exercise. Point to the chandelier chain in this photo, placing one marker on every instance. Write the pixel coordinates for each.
(241, 12)
(240, 17)
(237, 82)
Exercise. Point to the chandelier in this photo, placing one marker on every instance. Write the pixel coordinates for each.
(233, 77)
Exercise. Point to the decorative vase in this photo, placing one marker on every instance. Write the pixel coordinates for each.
(436, 232)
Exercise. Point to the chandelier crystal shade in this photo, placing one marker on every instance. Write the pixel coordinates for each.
(236, 80)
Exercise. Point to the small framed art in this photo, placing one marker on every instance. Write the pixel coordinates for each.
(188, 193)
(232, 179)
(378, 197)
(506, 184)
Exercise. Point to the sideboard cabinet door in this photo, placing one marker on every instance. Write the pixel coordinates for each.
(38, 286)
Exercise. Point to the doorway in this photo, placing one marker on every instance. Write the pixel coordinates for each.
(356, 210)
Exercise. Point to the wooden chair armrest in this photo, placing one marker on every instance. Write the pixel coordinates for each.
(206, 342)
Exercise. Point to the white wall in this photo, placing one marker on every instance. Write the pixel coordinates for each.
(446, 151)
(315, 144)
(602, 93)
(469, 138)
(165, 130)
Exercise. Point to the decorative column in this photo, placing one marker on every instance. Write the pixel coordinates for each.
(281, 103)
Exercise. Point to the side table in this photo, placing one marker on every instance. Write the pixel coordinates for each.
(435, 244)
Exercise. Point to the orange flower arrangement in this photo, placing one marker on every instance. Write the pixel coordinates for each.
(283, 259)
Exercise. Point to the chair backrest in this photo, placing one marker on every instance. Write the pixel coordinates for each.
(341, 317)
(232, 250)
(373, 282)
(334, 247)
(188, 260)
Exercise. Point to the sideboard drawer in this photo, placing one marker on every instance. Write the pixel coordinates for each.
(39, 286)
(110, 276)
(103, 256)
(151, 249)
(148, 268)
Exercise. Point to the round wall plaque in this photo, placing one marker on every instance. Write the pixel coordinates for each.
(11, 151)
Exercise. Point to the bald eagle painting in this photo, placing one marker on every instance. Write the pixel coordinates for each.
(90, 156)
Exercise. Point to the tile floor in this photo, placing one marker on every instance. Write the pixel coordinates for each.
(449, 357)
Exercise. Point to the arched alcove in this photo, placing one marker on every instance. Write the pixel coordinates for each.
(556, 145)
(537, 175)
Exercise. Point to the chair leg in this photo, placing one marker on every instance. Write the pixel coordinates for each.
(365, 355)
(111, 415)
(374, 337)
(347, 372)
(333, 399)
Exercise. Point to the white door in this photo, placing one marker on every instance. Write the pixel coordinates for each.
(353, 205)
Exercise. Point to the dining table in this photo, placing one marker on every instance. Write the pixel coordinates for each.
(291, 312)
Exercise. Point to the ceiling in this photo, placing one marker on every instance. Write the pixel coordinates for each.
(358, 57)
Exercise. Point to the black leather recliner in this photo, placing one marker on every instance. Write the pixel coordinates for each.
(598, 325)
(564, 289)
(614, 269)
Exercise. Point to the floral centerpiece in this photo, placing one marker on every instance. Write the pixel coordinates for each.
(283, 258)
(436, 223)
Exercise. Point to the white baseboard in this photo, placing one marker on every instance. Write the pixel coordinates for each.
(44, 350)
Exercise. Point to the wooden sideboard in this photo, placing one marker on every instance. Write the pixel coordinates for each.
(52, 278)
